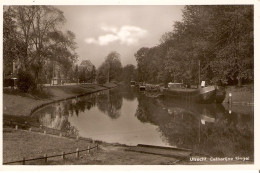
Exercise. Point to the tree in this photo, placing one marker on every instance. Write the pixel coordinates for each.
(234, 58)
(93, 74)
(83, 75)
(128, 73)
(38, 29)
(142, 61)
(102, 73)
(114, 66)
(25, 81)
(76, 73)
(13, 48)
(219, 37)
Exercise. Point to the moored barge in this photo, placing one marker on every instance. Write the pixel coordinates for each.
(209, 94)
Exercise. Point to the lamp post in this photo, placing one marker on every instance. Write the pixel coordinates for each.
(13, 68)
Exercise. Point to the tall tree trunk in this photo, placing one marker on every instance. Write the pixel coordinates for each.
(239, 84)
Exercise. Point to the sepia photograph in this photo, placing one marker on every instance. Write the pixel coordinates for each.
(128, 85)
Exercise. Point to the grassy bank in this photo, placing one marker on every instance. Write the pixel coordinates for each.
(240, 95)
(19, 143)
(20, 104)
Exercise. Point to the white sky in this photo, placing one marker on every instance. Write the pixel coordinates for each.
(125, 29)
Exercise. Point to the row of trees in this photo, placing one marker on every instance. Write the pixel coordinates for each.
(219, 37)
(112, 70)
(32, 37)
(33, 40)
(84, 74)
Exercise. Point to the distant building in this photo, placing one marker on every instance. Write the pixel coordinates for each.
(58, 77)
(11, 70)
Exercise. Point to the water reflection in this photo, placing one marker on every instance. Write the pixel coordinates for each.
(110, 103)
(206, 129)
(56, 117)
(127, 116)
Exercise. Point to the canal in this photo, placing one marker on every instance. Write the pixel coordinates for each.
(125, 115)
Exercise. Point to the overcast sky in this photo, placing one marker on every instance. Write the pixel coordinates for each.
(125, 29)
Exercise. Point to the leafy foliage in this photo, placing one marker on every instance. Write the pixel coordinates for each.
(220, 37)
(32, 38)
(102, 74)
(110, 68)
(128, 73)
(25, 81)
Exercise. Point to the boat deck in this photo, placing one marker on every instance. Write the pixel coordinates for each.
(182, 89)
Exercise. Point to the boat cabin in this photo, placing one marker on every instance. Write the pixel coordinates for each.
(175, 85)
(132, 83)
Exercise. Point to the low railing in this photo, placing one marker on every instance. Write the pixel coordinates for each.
(45, 157)
(50, 131)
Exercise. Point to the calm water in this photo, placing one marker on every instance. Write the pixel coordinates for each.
(124, 115)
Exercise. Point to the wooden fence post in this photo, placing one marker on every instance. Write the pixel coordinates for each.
(23, 161)
(230, 103)
(16, 127)
(45, 158)
(77, 152)
(63, 155)
(230, 98)
(44, 132)
(88, 149)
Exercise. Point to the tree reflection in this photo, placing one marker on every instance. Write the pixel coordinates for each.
(128, 92)
(56, 115)
(231, 135)
(57, 118)
(143, 111)
(110, 103)
(207, 129)
(80, 104)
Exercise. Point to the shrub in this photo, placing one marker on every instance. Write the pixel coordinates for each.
(25, 81)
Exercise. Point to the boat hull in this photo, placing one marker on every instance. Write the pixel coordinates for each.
(202, 95)
(142, 88)
(220, 94)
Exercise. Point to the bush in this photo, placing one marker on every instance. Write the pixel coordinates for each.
(25, 81)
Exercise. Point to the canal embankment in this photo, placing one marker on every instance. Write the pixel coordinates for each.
(240, 95)
(20, 143)
(32, 145)
(20, 104)
(24, 104)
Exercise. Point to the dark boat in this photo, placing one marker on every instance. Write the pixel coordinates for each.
(200, 95)
(142, 87)
(220, 94)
